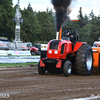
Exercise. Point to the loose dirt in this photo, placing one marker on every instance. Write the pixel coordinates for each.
(24, 83)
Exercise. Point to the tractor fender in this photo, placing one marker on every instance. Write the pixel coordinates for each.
(78, 45)
(41, 63)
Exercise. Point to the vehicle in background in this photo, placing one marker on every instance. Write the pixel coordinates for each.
(6, 45)
(96, 44)
(27, 46)
(36, 49)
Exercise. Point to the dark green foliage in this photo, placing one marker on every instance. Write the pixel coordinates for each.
(40, 26)
(30, 29)
(46, 21)
(29, 8)
(88, 29)
(6, 19)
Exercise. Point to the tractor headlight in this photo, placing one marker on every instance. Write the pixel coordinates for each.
(50, 51)
(55, 52)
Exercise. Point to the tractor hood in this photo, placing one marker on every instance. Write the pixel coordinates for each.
(59, 49)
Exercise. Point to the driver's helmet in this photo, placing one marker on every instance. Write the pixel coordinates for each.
(67, 33)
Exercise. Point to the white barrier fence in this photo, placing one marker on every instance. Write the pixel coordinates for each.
(11, 52)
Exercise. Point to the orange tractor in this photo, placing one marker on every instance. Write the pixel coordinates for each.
(96, 58)
(67, 55)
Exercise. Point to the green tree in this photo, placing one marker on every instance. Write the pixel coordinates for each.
(6, 19)
(30, 8)
(30, 27)
(91, 15)
(46, 22)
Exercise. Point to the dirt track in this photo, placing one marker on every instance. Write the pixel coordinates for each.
(24, 83)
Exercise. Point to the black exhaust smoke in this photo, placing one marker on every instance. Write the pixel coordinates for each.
(61, 7)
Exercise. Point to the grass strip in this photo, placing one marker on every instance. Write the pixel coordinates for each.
(16, 64)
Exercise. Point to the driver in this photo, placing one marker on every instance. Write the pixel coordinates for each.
(68, 36)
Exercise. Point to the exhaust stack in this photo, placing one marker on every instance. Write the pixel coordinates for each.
(57, 35)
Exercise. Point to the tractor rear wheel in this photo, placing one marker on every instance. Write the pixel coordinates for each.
(67, 68)
(84, 60)
(41, 70)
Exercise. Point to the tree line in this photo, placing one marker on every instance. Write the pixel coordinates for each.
(88, 28)
(36, 27)
(40, 26)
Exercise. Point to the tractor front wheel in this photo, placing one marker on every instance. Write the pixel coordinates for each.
(67, 68)
(41, 70)
(84, 60)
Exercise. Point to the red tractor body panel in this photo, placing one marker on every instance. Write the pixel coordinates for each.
(56, 53)
(41, 63)
(59, 63)
(78, 45)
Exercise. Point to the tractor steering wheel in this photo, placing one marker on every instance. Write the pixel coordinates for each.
(73, 32)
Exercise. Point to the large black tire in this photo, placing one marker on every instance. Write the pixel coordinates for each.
(41, 70)
(84, 60)
(67, 68)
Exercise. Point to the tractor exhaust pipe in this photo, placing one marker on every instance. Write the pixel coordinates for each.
(57, 35)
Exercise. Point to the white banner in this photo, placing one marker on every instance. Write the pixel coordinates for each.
(11, 52)
(3, 52)
(22, 53)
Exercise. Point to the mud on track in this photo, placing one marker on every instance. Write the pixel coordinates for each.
(24, 83)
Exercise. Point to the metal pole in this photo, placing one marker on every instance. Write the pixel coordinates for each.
(17, 27)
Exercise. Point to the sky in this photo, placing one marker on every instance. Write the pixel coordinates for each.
(41, 5)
